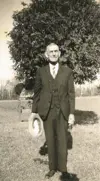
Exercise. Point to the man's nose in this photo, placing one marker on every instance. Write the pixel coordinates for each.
(54, 53)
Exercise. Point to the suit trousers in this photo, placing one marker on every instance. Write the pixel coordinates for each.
(55, 127)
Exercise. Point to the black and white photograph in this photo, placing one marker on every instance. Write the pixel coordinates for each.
(50, 90)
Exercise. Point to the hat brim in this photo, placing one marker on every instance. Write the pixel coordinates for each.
(38, 130)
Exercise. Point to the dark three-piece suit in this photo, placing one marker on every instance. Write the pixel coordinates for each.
(54, 100)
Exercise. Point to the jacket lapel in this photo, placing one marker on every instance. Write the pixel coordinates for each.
(59, 77)
(60, 71)
(47, 69)
(48, 76)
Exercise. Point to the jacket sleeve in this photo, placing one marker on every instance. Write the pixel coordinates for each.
(37, 90)
(71, 93)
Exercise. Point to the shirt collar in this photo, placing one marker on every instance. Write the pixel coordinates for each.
(56, 65)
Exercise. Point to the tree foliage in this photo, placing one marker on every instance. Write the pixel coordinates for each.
(74, 25)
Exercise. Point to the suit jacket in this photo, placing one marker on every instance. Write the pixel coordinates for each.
(43, 93)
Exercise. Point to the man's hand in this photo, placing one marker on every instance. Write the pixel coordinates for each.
(71, 120)
(32, 116)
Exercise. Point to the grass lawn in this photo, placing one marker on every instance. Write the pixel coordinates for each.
(19, 157)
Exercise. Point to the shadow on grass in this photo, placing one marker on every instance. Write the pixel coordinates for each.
(44, 148)
(41, 161)
(81, 118)
(85, 117)
(73, 177)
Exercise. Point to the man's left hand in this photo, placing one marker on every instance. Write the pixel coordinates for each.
(71, 120)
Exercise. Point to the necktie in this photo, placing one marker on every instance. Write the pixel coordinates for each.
(54, 72)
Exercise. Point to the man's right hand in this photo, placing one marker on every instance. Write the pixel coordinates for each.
(32, 116)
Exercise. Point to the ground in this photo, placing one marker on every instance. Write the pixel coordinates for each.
(19, 157)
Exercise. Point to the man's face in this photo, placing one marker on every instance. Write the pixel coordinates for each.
(53, 53)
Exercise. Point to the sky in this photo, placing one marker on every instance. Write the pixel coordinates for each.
(7, 7)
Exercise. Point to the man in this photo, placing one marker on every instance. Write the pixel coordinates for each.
(54, 101)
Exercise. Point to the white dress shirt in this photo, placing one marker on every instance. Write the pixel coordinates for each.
(56, 69)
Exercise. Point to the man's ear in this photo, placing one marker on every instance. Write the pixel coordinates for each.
(59, 53)
(46, 55)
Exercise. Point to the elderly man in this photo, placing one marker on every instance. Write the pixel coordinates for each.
(54, 101)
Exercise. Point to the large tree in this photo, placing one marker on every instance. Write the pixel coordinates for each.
(74, 25)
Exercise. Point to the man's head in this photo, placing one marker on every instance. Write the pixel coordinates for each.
(52, 53)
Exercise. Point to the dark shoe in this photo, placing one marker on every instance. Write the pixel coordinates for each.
(50, 173)
(66, 176)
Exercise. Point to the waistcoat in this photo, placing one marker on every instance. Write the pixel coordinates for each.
(55, 96)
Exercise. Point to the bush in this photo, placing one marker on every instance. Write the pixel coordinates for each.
(73, 25)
